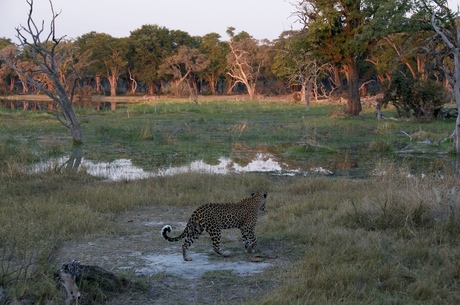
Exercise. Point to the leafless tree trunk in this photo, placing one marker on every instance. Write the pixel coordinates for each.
(242, 72)
(133, 81)
(48, 56)
(245, 61)
(453, 76)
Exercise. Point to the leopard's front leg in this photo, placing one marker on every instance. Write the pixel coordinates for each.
(215, 237)
(251, 241)
(249, 238)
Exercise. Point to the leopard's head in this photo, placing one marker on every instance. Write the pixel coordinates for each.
(262, 198)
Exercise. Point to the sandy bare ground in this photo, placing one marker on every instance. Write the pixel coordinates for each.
(139, 250)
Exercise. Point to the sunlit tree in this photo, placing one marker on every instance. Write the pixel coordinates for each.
(343, 32)
(183, 67)
(215, 51)
(108, 56)
(244, 61)
(295, 62)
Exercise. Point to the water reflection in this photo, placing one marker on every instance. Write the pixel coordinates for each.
(37, 105)
(123, 169)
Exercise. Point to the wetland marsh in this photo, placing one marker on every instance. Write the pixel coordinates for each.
(379, 225)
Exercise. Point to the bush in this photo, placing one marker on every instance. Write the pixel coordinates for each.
(421, 99)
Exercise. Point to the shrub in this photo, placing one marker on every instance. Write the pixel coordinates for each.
(418, 98)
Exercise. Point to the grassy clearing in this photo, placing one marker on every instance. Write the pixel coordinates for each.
(390, 238)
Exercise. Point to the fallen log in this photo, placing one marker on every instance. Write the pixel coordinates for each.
(75, 277)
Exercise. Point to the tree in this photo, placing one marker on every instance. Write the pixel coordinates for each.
(215, 51)
(11, 53)
(244, 61)
(344, 31)
(94, 44)
(108, 57)
(115, 61)
(149, 47)
(447, 26)
(5, 71)
(48, 55)
(184, 66)
(295, 62)
(5, 42)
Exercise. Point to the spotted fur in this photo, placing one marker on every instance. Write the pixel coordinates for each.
(214, 217)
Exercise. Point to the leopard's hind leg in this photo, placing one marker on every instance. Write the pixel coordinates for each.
(193, 233)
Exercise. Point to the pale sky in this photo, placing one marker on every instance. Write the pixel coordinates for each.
(260, 18)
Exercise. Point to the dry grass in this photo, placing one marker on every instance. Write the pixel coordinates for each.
(392, 238)
(389, 239)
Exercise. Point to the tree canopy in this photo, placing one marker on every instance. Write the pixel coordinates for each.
(344, 48)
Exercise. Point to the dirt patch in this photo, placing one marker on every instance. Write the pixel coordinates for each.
(139, 249)
(174, 264)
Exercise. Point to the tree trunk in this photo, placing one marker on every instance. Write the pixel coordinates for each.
(11, 83)
(303, 92)
(457, 132)
(152, 89)
(113, 85)
(71, 120)
(251, 91)
(98, 84)
(337, 81)
(354, 103)
(212, 86)
(24, 86)
(212, 83)
(306, 93)
(230, 84)
(456, 81)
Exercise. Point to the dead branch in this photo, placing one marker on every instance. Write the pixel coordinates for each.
(72, 275)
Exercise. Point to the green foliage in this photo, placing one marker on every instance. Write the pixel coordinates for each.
(420, 99)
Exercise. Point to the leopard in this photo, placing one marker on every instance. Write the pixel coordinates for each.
(214, 217)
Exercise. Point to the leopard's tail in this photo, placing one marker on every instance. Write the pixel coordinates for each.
(166, 229)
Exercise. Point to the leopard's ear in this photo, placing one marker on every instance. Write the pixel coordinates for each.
(265, 195)
(252, 194)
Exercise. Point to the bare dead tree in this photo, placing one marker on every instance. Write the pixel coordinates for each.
(244, 61)
(48, 55)
(451, 39)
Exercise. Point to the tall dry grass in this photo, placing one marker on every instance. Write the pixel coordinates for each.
(40, 212)
(391, 238)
